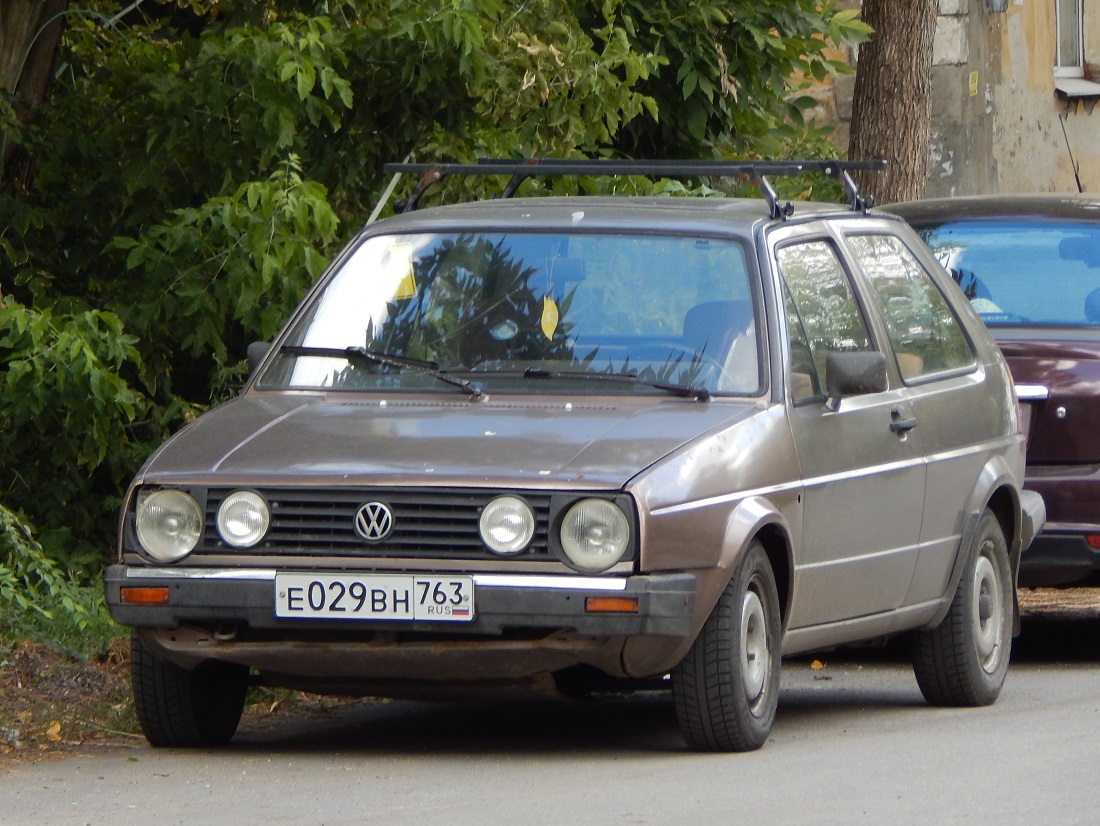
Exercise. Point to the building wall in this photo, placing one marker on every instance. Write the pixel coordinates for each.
(999, 125)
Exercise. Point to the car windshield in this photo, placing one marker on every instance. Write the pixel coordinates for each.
(530, 313)
(1024, 272)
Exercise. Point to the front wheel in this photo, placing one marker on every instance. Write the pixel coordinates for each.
(181, 708)
(726, 690)
(963, 660)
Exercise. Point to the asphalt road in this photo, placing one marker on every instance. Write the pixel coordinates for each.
(854, 742)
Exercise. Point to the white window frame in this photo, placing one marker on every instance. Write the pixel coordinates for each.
(1062, 68)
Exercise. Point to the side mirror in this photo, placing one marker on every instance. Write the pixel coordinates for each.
(853, 374)
(257, 352)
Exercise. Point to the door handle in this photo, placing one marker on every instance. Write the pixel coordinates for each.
(900, 425)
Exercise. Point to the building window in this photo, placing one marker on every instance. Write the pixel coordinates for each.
(1069, 60)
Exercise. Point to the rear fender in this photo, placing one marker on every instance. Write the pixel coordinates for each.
(995, 489)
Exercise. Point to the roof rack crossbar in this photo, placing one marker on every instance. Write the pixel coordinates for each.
(522, 169)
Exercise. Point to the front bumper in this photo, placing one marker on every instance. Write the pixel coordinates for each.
(219, 597)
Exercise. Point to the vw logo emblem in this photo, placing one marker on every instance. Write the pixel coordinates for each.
(374, 521)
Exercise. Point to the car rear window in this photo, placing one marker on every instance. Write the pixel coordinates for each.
(1023, 272)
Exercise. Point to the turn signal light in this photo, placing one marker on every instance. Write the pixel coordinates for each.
(144, 596)
(611, 605)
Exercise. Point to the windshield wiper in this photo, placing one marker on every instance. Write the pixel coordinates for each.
(430, 368)
(685, 390)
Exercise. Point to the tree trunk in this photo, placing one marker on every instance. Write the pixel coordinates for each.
(30, 34)
(892, 104)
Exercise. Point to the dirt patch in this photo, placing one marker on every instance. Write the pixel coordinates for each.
(1056, 603)
(51, 703)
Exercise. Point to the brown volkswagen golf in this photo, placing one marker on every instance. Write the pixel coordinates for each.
(588, 440)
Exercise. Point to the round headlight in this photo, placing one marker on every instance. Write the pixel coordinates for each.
(594, 535)
(507, 525)
(169, 524)
(243, 519)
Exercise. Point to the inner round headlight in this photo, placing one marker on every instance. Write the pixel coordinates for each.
(594, 535)
(507, 525)
(169, 524)
(243, 519)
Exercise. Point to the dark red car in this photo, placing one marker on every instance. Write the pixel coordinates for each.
(1030, 265)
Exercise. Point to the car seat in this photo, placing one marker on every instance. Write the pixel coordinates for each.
(711, 327)
(1092, 306)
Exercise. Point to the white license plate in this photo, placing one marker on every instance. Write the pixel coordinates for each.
(375, 597)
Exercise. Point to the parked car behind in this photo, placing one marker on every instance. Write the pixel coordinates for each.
(1030, 265)
(560, 441)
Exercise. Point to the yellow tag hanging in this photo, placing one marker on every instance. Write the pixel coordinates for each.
(549, 317)
(398, 265)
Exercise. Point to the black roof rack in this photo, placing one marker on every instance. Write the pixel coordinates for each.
(522, 169)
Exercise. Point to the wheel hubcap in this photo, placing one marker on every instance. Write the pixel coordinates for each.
(754, 647)
(988, 613)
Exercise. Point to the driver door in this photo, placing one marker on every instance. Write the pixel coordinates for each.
(863, 494)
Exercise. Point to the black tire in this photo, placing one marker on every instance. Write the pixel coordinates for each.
(963, 661)
(186, 709)
(726, 689)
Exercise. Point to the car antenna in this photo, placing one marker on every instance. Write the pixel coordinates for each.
(1074, 165)
(388, 192)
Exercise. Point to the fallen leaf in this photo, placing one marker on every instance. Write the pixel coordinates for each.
(53, 733)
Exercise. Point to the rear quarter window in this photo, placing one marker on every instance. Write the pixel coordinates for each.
(926, 335)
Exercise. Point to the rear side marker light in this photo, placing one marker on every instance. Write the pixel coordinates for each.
(1094, 541)
(611, 605)
(144, 596)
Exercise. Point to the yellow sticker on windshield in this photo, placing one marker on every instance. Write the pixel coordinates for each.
(398, 264)
(549, 317)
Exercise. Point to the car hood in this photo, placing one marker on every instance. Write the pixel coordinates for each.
(1065, 429)
(323, 439)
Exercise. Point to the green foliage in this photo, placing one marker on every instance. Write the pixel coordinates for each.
(245, 257)
(67, 412)
(200, 160)
(740, 67)
(39, 600)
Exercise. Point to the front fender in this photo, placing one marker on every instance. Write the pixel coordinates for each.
(752, 518)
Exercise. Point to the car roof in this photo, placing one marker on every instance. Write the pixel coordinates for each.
(1042, 206)
(610, 213)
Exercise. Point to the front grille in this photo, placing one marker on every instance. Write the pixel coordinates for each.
(436, 523)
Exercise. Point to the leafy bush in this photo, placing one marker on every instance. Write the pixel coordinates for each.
(41, 601)
(68, 415)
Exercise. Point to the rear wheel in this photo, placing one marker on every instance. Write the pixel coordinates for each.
(963, 661)
(726, 690)
(181, 708)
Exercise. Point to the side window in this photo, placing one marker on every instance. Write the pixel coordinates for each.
(927, 336)
(1074, 45)
(1069, 61)
(822, 314)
